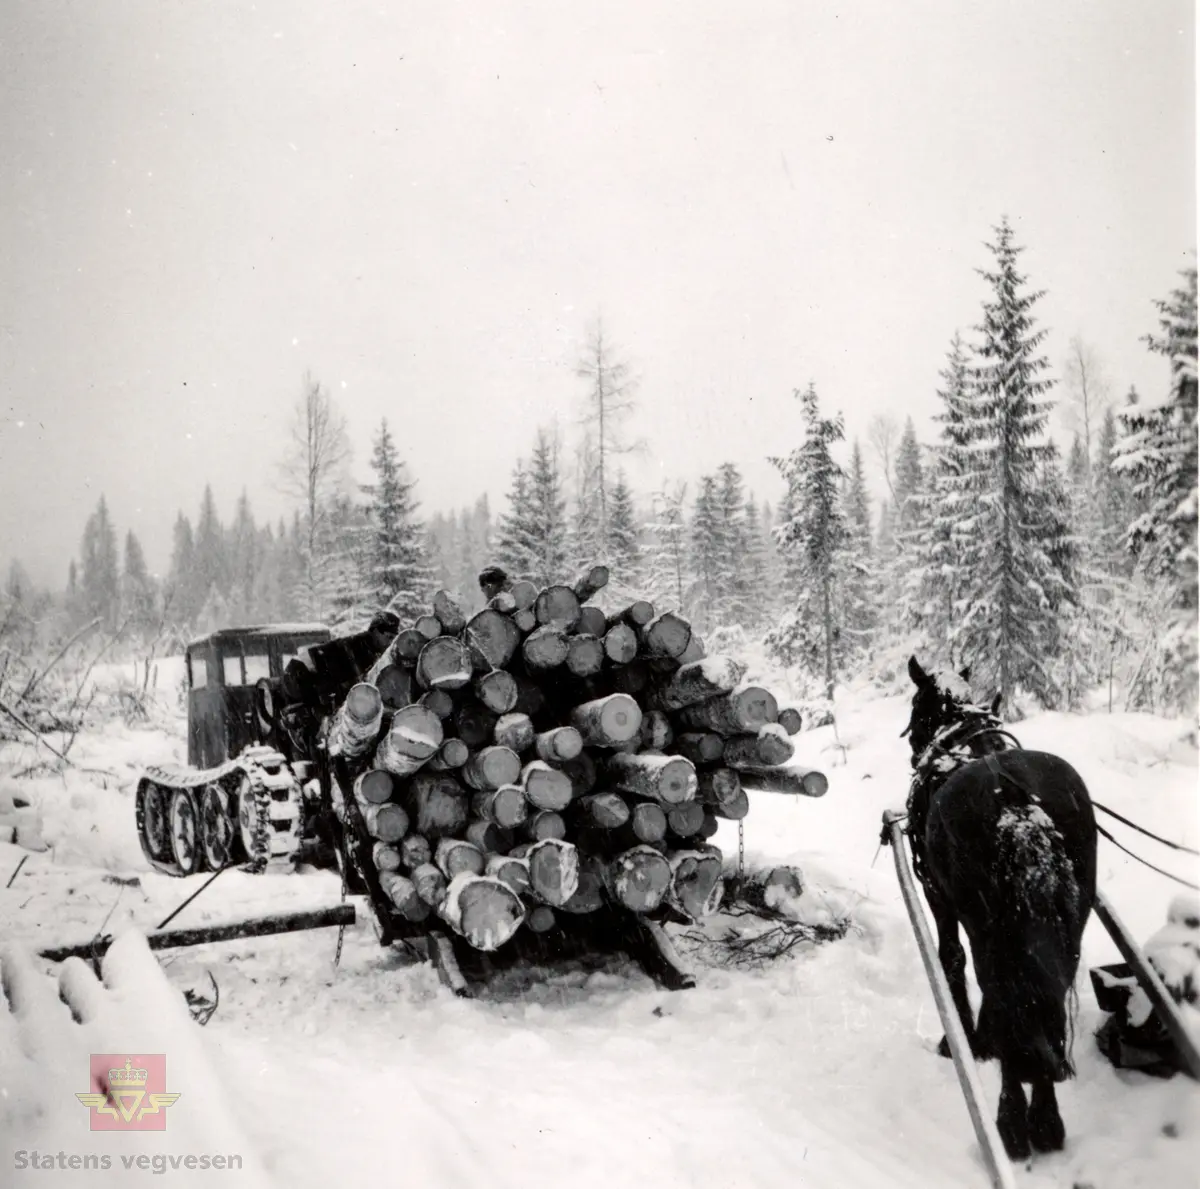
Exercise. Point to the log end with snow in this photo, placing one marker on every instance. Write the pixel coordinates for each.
(483, 910)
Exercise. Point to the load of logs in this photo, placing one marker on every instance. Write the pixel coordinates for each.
(542, 758)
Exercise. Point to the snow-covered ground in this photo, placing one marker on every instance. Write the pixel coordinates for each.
(819, 1071)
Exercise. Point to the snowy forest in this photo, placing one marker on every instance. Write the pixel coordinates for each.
(1053, 573)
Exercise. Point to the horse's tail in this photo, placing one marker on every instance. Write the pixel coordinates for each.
(1039, 926)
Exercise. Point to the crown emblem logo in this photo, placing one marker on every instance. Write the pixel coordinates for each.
(128, 1078)
(128, 1096)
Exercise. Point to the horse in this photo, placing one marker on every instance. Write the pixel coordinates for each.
(1003, 842)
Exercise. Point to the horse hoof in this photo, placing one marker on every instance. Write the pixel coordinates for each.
(1047, 1133)
(1016, 1142)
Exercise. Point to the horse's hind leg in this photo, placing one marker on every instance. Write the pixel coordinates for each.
(954, 963)
(1012, 1119)
(1046, 1131)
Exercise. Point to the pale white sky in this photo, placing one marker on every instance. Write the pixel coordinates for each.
(425, 203)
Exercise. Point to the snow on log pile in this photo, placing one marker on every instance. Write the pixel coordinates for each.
(543, 758)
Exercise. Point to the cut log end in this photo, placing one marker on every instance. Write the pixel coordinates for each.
(483, 910)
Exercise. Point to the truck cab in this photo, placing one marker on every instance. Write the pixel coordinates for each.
(223, 669)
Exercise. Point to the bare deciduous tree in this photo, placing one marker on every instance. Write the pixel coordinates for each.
(610, 399)
(1088, 393)
(883, 434)
(312, 471)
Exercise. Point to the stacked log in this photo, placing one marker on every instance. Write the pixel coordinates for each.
(543, 757)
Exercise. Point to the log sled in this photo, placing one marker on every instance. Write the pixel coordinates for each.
(539, 781)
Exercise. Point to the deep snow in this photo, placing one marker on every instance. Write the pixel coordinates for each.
(819, 1071)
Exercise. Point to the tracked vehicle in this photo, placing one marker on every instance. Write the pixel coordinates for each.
(251, 792)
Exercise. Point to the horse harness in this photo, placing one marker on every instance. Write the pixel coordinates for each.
(946, 753)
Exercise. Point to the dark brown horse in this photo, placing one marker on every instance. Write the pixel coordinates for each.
(1004, 842)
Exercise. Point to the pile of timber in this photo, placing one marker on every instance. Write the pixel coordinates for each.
(542, 758)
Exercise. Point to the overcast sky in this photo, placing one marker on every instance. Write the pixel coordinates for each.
(426, 203)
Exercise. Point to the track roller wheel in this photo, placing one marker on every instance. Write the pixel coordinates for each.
(184, 821)
(153, 829)
(218, 835)
(251, 828)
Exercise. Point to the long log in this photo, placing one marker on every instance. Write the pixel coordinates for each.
(497, 690)
(637, 614)
(414, 850)
(165, 939)
(430, 884)
(504, 807)
(666, 635)
(741, 712)
(385, 857)
(482, 910)
(582, 773)
(553, 871)
(408, 644)
(620, 643)
(486, 837)
(474, 723)
(701, 747)
(667, 779)
(546, 787)
(696, 885)
(509, 870)
(656, 732)
(438, 803)
(557, 606)
(687, 819)
(415, 734)
(639, 879)
(770, 747)
(439, 701)
(716, 786)
(395, 685)
(403, 894)
(589, 891)
(605, 810)
(791, 719)
(493, 638)
(514, 731)
(558, 745)
(374, 787)
(697, 682)
(802, 783)
(388, 823)
(491, 767)
(647, 822)
(524, 594)
(545, 648)
(357, 723)
(449, 613)
(607, 722)
(592, 622)
(585, 655)
(453, 856)
(452, 754)
(591, 582)
(444, 663)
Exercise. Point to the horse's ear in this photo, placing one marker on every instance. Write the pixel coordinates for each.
(918, 675)
(996, 705)
(965, 674)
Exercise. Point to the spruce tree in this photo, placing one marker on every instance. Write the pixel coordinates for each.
(393, 564)
(514, 529)
(137, 590)
(1015, 549)
(668, 578)
(756, 577)
(706, 555)
(99, 578)
(1158, 455)
(624, 553)
(733, 594)
(245, 558)
(182, 604)
(811, 533)
(210, 561)
(858, 579)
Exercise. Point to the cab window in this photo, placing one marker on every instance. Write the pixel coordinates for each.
(233, 670)
(258, 666)
(197, 672)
